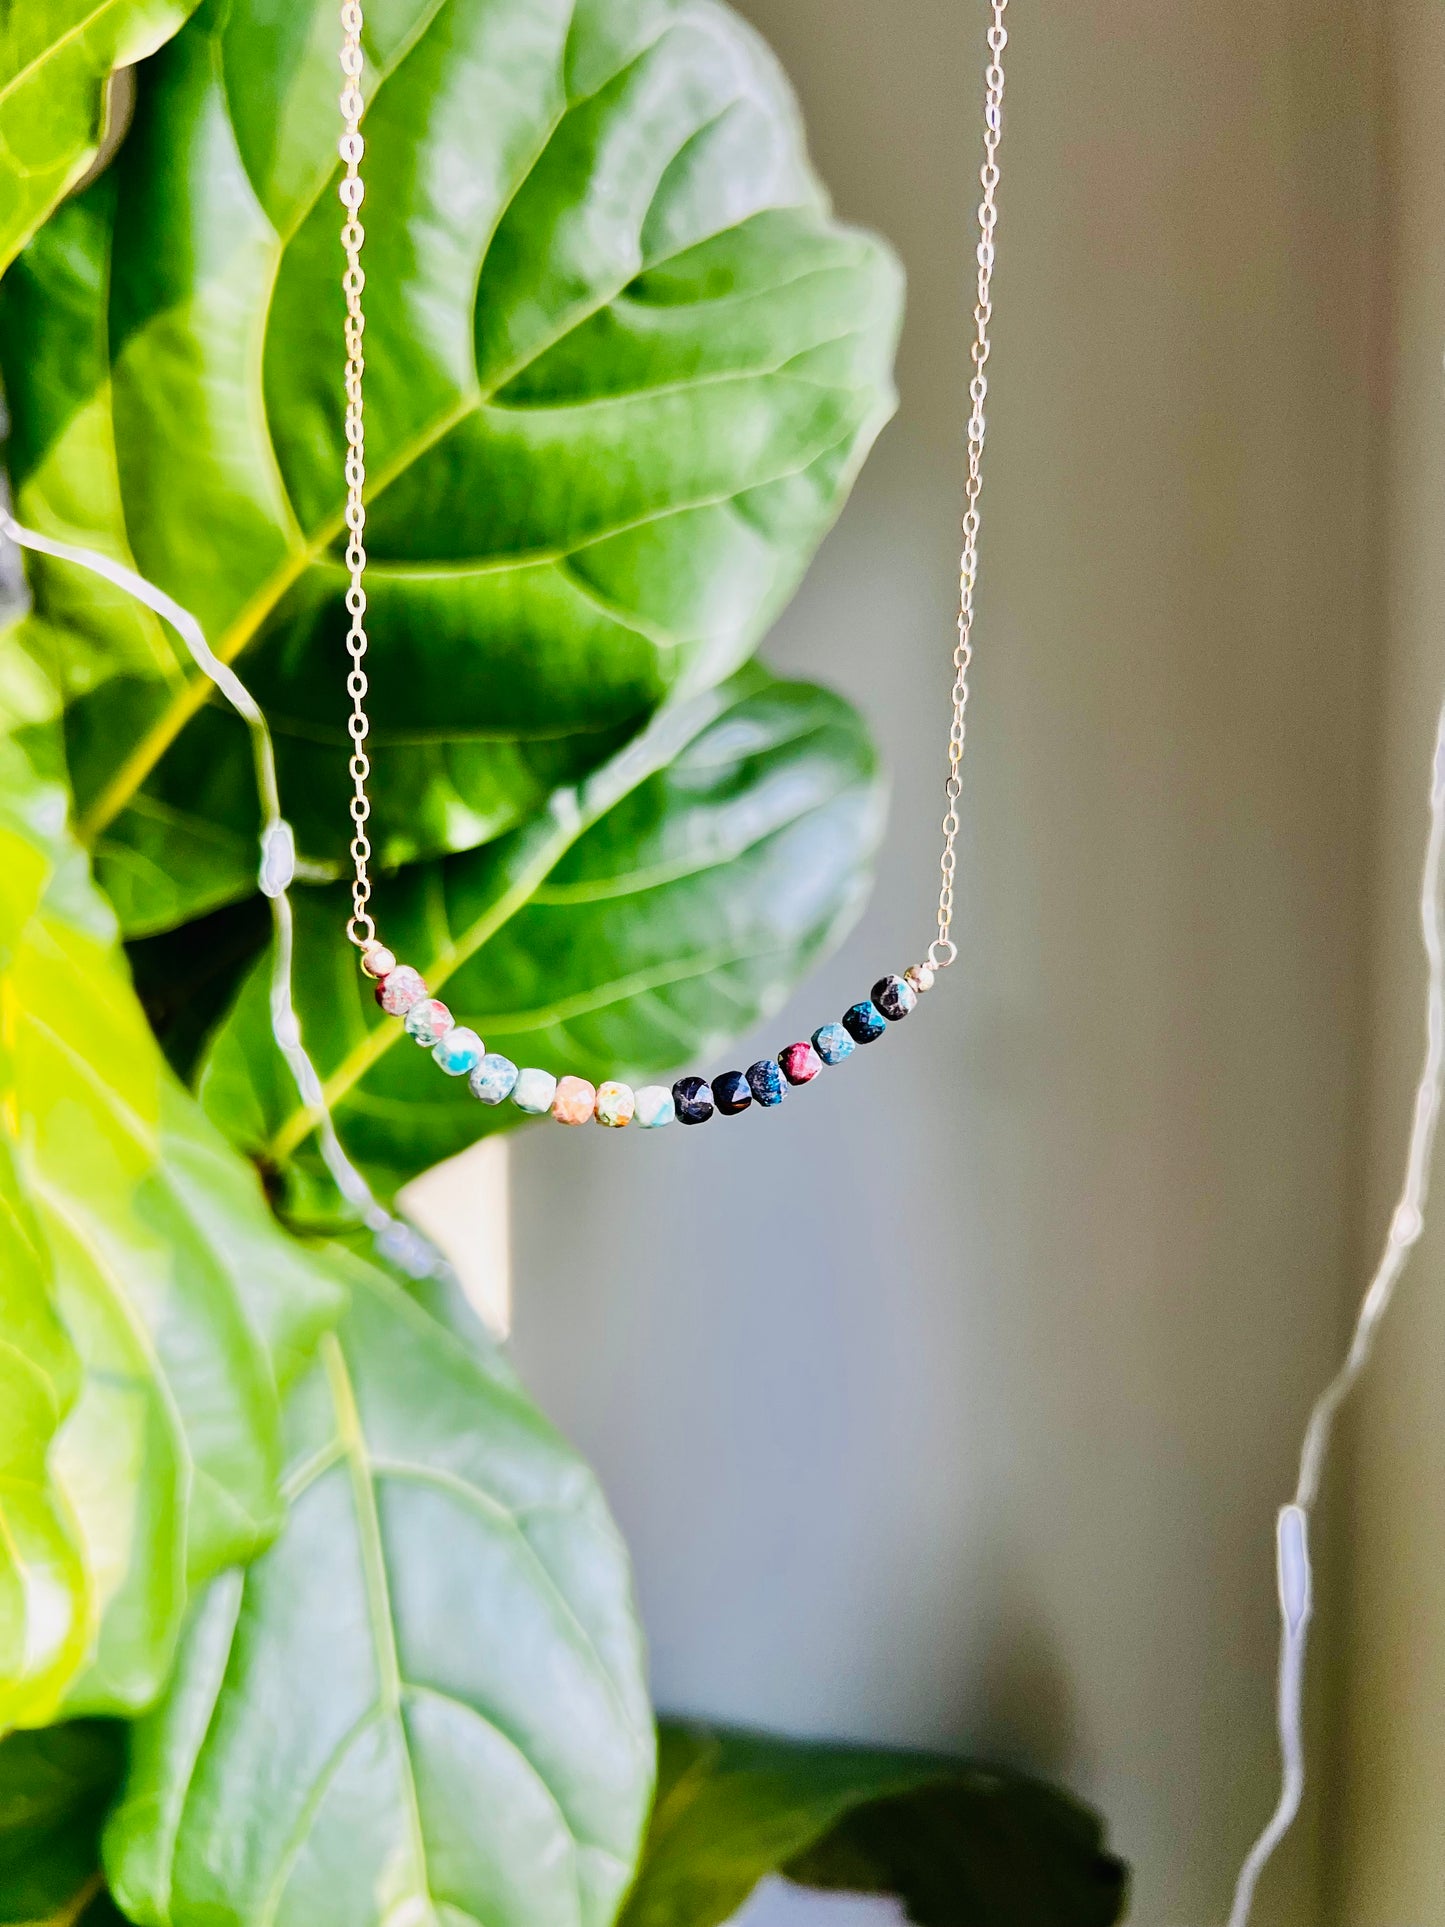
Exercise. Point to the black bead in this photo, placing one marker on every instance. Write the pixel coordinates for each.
(894, 997)
(730, 1093)
(692, 1100)
(863, 1023)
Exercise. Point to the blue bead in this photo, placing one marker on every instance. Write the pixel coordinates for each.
(864, 1022)
(692, 1100)
(765, 1081)
(833, 1044)
(458, 1051)
(894, 997)
(494, 1079)
(730, 1093)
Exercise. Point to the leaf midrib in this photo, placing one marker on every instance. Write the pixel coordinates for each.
(188, 701)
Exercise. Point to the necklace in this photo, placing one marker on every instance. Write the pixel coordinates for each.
(400, 990)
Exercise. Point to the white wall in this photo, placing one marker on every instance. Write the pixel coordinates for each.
(952, 1404)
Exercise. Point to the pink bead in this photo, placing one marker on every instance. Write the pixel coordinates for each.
(399, 990)
(377, 961)
(575, 1101)
(800, 1062)
(428, 1021)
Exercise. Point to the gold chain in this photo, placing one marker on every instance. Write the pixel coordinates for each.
(943, 950)
(361, 929)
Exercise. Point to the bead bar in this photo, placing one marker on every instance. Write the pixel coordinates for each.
(493, 1079)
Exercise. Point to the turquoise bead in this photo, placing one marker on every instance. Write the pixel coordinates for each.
(533, 1092)
(655, 1107)
(833, 1044)
(494, 1079)
(459, 1051)
(765, 1081)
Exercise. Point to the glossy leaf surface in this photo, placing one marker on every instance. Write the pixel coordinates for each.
(56, 60)
(958, 1845)
(644, 918)
(622, 366)
(55, 1788)
(187, 1308)
(425, 1702)
(46, 1600)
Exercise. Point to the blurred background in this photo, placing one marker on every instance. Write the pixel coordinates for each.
(954, 1408)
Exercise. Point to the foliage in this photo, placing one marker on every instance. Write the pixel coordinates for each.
(56, 61)
(621, 368)
(363, 1613)
(186, 1308)
(443, 1631)
(959, 1845)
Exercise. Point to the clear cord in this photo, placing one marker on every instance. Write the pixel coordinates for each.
(1292, 1555)
(396, 1239)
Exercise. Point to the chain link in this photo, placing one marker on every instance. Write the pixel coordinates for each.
(360, 929)
(943, 950)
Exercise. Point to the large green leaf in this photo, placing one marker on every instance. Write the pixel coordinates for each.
(425, 1702)
(959, 1845)
(55, 1788)
(46, 1602)
(188, 1309)
(646, 917)
(622, 367)
(56, 60)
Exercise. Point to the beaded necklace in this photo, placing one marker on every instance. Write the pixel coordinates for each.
(400, 990)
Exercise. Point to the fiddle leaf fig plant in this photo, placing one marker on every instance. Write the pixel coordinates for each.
(621, 368)
(307, 1617)
(154, 1436)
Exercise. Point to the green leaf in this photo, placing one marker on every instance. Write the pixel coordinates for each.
(56, 60)
(425, 1702)
(55, 1788)
(661, 908)
(622, 366)
(46, 1601)
(187, 1307)
(959, 1845)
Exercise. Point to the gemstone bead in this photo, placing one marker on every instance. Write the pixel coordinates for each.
(533, 1092)
(920, 976)
(765, 1081)
(494, 1079)
(654, 1107)
(692, 1100)
(574, 1101)
(833, 1043)
(730, 1093)
(864, 1022)
(399, 989)
(428, 1021)
(894, 997)
(801, 1063)
(458, 1051)
(615, 1105)
(377, 961)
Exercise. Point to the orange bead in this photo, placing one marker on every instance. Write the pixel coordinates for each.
(575, 1101)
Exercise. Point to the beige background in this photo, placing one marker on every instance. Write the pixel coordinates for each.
(953, 1406)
